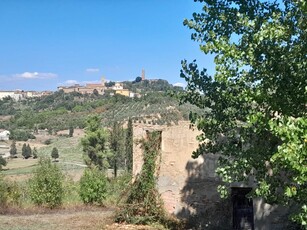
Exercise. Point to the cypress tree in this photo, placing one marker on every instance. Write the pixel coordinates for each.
(24, 150)
(71, 131)
(55, 153)
(129, 146)
(29, 151)
(13, 150)
(116, 145)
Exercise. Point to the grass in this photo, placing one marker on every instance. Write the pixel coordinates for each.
(70, 149)
(20, 163)
(19, 166)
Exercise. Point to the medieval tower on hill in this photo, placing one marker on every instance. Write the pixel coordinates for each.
(143, 75)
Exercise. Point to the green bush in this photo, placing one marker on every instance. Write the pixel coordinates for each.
(10, 192)
(93, 186)
(46, 187)
(14, 192)
(21, 135)
(2, 162)
(47, 142)
(3, 192)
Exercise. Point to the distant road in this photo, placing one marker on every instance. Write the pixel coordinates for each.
(72, 163)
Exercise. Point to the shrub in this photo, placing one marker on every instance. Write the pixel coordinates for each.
(55, 153)
(14, 192)
(93, 186)
(47, 142)
(46, 186)
(2, 162)
(3, 192)
(21, 135)
(10, 192)
(34, 153)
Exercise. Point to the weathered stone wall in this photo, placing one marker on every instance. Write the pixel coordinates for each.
(189, 186)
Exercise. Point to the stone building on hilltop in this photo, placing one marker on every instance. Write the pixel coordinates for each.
(89, 88)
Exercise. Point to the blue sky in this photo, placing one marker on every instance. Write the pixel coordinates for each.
(47, 43)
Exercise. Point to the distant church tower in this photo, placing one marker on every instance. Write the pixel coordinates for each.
(102, 80)
(143, 75)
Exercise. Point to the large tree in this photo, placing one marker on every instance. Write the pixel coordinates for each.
(256, 99)
(95, 144)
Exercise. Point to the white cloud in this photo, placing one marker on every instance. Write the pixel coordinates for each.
(179, 84)
(92, 70)
(35, 75)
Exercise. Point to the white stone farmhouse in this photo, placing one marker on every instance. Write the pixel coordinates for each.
(4, 135)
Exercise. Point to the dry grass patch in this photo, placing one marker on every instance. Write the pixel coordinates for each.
(88, 218)
(76, 217)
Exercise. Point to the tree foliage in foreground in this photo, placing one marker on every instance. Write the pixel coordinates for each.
(256, 99)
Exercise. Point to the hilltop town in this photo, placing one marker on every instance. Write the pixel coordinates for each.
(104, 87)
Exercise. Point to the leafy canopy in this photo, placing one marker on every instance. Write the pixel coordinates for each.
(256, 99)
(95, 144)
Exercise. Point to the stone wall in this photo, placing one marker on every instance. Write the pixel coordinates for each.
(189, 186)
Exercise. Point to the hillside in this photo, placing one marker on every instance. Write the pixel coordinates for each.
(60, 111)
